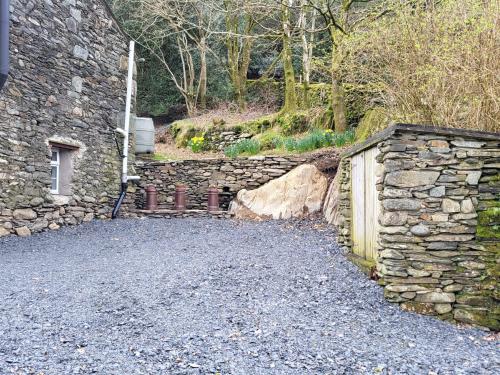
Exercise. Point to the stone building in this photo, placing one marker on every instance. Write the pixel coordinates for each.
(58, 159)
(419, 207)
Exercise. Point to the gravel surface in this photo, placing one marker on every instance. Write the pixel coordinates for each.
(206, 297)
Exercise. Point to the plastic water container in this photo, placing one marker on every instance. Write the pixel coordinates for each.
(144, 135)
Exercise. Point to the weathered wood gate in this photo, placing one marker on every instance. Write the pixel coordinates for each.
(365, 204)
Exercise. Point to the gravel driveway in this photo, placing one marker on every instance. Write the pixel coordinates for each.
(206, 297)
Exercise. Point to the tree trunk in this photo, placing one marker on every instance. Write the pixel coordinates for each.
(290, 93)
(307, 46)
(238, 51)
(202, 93)
(243, 67)
(338, 94)
(338, 100)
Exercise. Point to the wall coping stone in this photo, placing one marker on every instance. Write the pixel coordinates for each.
(419, 129)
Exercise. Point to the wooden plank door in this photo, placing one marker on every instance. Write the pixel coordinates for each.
(372, 204)
(365, 204)
(358, 204)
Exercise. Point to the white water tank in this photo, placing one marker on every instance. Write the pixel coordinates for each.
(144, 135)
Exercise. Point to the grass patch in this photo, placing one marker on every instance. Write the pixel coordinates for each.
(313, 140)
(245, 146)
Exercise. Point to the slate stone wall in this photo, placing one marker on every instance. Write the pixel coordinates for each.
(67, 84)
(440, 224)
(217, 139)
(228, 175)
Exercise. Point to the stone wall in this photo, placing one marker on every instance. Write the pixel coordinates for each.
(228, 175)
(344, 204)
(67, 84)
(439, 238)
(217, 139)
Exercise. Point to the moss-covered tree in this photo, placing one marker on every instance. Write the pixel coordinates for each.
(239, 25)
(342, 18)
(290, 103)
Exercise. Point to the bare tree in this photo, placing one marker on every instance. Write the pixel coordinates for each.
(187, 23)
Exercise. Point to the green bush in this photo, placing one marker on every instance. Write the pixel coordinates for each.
(245, 146)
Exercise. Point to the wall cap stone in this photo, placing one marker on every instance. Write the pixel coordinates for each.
(411, 128)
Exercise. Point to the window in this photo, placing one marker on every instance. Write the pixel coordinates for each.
(61, 168)
(54, 174)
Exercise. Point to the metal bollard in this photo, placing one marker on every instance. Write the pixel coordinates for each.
(151, 198)
(213, 199)
(180, 197)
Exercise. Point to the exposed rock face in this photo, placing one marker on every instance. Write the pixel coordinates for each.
(331, 208)
(296, 194)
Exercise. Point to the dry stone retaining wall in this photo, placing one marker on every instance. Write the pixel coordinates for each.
(228, 175)
(440, 224)
(67, 84)
(219, 139)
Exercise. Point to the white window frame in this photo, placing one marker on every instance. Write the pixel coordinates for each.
(56, 164)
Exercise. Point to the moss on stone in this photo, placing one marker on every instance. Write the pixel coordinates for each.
(293, 123)
(365, 265)
(182, 131)
(258, 125)
(478, 317)
(489, 220)
(372, 122)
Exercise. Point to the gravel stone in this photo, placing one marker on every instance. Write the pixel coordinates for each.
(201, 296)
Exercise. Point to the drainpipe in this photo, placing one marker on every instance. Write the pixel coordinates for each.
(125, 178)
(4, 41)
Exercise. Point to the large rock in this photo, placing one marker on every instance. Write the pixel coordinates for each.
(331, 210)
(296, 194)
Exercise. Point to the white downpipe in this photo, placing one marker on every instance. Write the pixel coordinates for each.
(125, 178)
(128, 108)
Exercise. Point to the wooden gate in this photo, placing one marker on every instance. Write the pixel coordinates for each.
(365, 204)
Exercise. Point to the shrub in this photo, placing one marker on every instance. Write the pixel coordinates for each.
(245, 146)
(434, 64)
